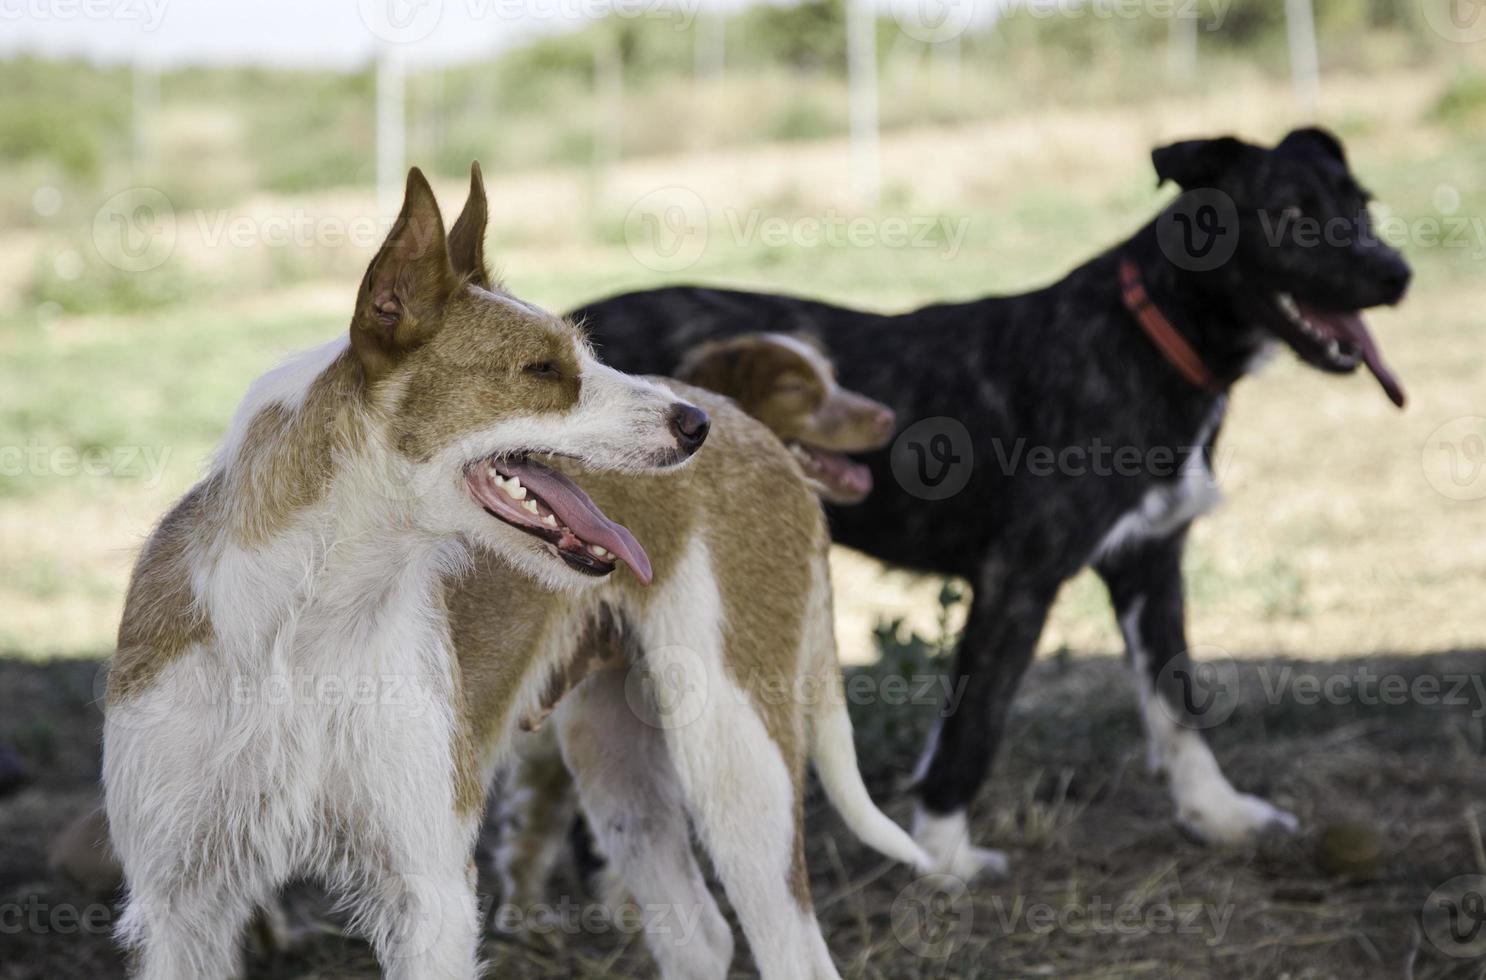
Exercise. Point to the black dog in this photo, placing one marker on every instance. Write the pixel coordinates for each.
(1074, 425)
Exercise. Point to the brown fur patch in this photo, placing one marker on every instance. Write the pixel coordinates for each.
(162, 617)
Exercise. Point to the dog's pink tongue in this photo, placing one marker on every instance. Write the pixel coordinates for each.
(574, 508)
(1349, 326)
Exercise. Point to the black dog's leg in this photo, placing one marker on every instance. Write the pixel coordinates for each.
(999, 641)
(1179, 699)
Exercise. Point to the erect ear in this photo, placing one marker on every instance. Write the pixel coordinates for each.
(467, 237)
(406, 287)
(1310, 141)
(1196, 163)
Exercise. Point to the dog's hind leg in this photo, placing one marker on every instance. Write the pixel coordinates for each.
(187, 934)
(739, 786)
(995, 650)
(535, 808)
(636, 809)
(1145, 583)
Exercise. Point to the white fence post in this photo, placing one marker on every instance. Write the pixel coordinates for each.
(1300, 27)
(391, 129)
(861, 70)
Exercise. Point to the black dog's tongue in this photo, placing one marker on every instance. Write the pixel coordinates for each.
(1350, 327)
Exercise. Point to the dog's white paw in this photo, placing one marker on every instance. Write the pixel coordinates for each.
(1233, 818)
(946, 839)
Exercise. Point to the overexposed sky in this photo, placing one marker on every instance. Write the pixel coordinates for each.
(340, 33)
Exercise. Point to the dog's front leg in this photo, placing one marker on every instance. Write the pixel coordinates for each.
(1145, 583)
(995, 649)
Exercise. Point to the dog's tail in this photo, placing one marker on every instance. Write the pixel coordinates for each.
(833, 752)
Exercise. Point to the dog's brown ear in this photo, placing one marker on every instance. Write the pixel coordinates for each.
(1197, 163)
(407, 285)
(718, 365)
(467, 237)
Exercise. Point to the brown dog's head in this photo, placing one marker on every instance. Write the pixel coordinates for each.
(789, 384)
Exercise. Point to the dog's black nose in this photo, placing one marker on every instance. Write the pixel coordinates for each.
(690, 425)
(1394, 277)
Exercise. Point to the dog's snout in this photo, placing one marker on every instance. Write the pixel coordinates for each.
(690, 424)
(885, 420)
(1393, 275)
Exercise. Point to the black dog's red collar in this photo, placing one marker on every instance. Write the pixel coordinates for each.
(1167, 338)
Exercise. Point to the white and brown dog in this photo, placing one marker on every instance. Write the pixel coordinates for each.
(790, 385)
(328, 643)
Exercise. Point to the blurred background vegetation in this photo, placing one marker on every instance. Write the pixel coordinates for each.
(1033, 129)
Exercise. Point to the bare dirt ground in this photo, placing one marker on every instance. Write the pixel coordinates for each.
(1390, 788)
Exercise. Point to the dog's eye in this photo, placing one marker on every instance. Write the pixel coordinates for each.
(546, 370)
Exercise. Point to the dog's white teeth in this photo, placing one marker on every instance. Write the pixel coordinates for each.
(550, 520)
(515, 489)
(531, 506)
(599, 551)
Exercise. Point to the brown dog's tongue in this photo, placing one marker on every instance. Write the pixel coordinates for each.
(574, 508)
(1349, 326)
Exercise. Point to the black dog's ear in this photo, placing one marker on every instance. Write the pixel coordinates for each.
(1310, 141)
(467, 237)
(1196, 163)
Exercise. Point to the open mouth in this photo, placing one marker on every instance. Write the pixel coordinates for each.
(1334, 340)
(841, 479)
(550, 507)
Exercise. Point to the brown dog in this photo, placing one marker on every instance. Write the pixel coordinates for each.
(788, 384)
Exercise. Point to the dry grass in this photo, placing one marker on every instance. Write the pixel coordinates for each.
(1103, 885)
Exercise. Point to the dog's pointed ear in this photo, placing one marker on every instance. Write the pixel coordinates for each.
(1311, 140)
(1196, 163)
(408, 284)
(467, 237)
